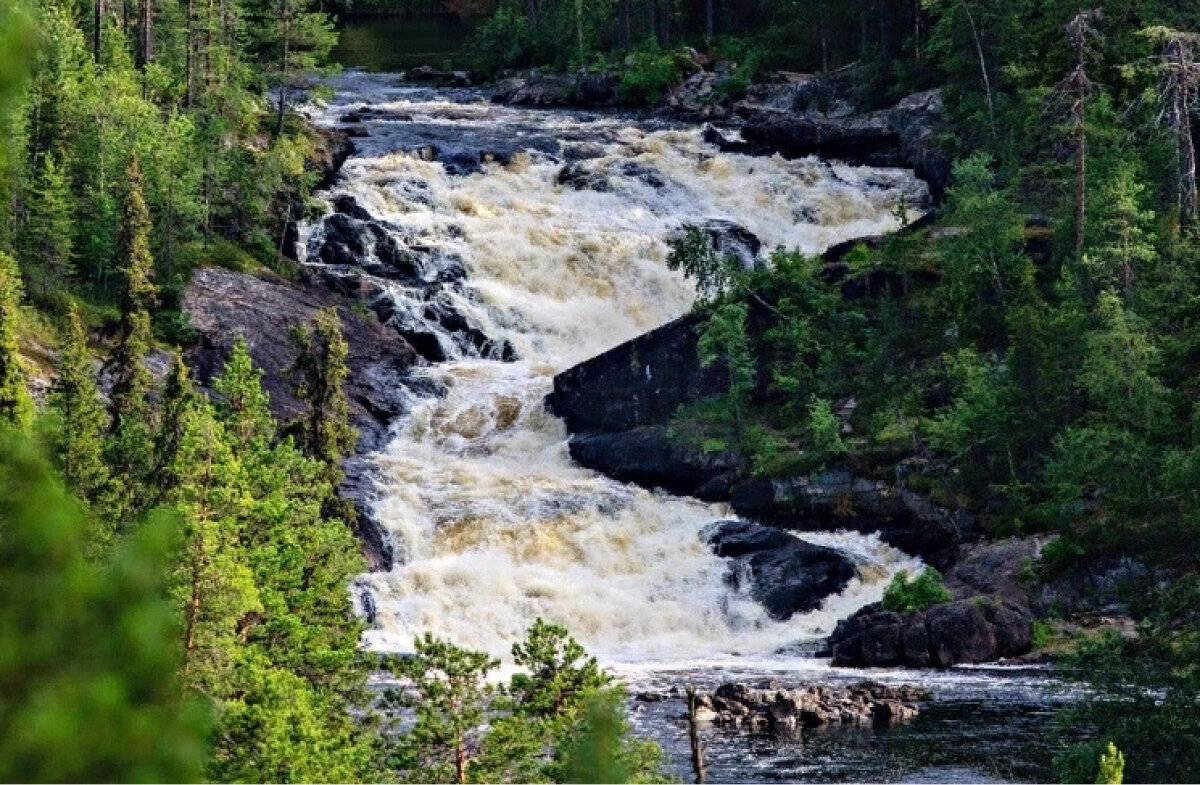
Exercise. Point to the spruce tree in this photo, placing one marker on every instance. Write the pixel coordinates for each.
(49, 228)
(243, 404)
(178, 398)
(88, 654)
(130, 450)
(79, 447)
(320, 371)
(16, 407)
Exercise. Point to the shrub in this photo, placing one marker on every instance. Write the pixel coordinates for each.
(649, 74)
(909, 596)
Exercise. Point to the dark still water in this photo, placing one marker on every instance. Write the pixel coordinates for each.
(983, 725)
(397, 43)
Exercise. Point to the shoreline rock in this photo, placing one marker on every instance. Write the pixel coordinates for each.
(981, 629)
(769, 707)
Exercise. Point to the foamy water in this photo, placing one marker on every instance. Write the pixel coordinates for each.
(492, 523)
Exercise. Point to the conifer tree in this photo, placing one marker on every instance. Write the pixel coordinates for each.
(79, 449)
(16, 407)
(130, 450)
(49, 228)
(178, 398)
(319, 373)
(243, 404)
(211, 584)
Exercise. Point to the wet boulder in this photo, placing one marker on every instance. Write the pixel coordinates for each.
(981, 629)
(771, 707)
(783, 573)
(650, 457)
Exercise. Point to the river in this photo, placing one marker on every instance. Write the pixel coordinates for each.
(495, 526)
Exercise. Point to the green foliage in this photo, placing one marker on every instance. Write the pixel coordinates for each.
(1112, 766)
(504, 40)
(88, 654)
(909, 596)
(16, 407)
(560, 718)
(694, 254)
(319, 372)
(450, 697)
(78, 448)
(724, 341)
(649, 74)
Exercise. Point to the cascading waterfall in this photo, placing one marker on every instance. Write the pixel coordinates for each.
(564, 241)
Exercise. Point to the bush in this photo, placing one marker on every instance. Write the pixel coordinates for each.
(650, 74)
(925, 591)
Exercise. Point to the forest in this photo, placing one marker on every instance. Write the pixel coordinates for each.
(174, 561)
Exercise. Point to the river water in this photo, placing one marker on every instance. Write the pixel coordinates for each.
(495, 526)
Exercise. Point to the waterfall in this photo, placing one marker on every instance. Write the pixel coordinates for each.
(560, 221)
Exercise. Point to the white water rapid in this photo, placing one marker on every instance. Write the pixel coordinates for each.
(492, 523)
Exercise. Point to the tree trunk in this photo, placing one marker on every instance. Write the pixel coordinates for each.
(694, 736)
(664, 23)
(1080, 173)
(145, 40)
(1189, 205)
(625, 25)
(96, 34)
(283, 70)
(651, 19)
(188, 47)
(987, 80)
(709, 21)
(531, 12)
(888, 45)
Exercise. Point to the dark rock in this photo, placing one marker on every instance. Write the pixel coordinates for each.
(866, 139)
(348, 205)
(223, 305)
(981, 629)
(429, 75)
(769, 707)
(640, 382)
(712, 135)
(651, 458)
(839, 500)
(732, 239)
(785, 575)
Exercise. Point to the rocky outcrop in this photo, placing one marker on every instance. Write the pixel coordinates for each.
(641, 382)
(982, 629)
(905, 135)
(537, 88)
(782, 573)
(620, 405)
(652, 458)
(839, 500)
(223, 305)
(768, 707)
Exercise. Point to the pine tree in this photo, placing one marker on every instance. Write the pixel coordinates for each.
(211, 584)
(79, 448)
(16, 407)
(49, 228)
(319, 373)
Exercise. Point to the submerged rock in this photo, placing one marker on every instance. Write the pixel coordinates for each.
(774, 708)
(784, 574)
(981, 629)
